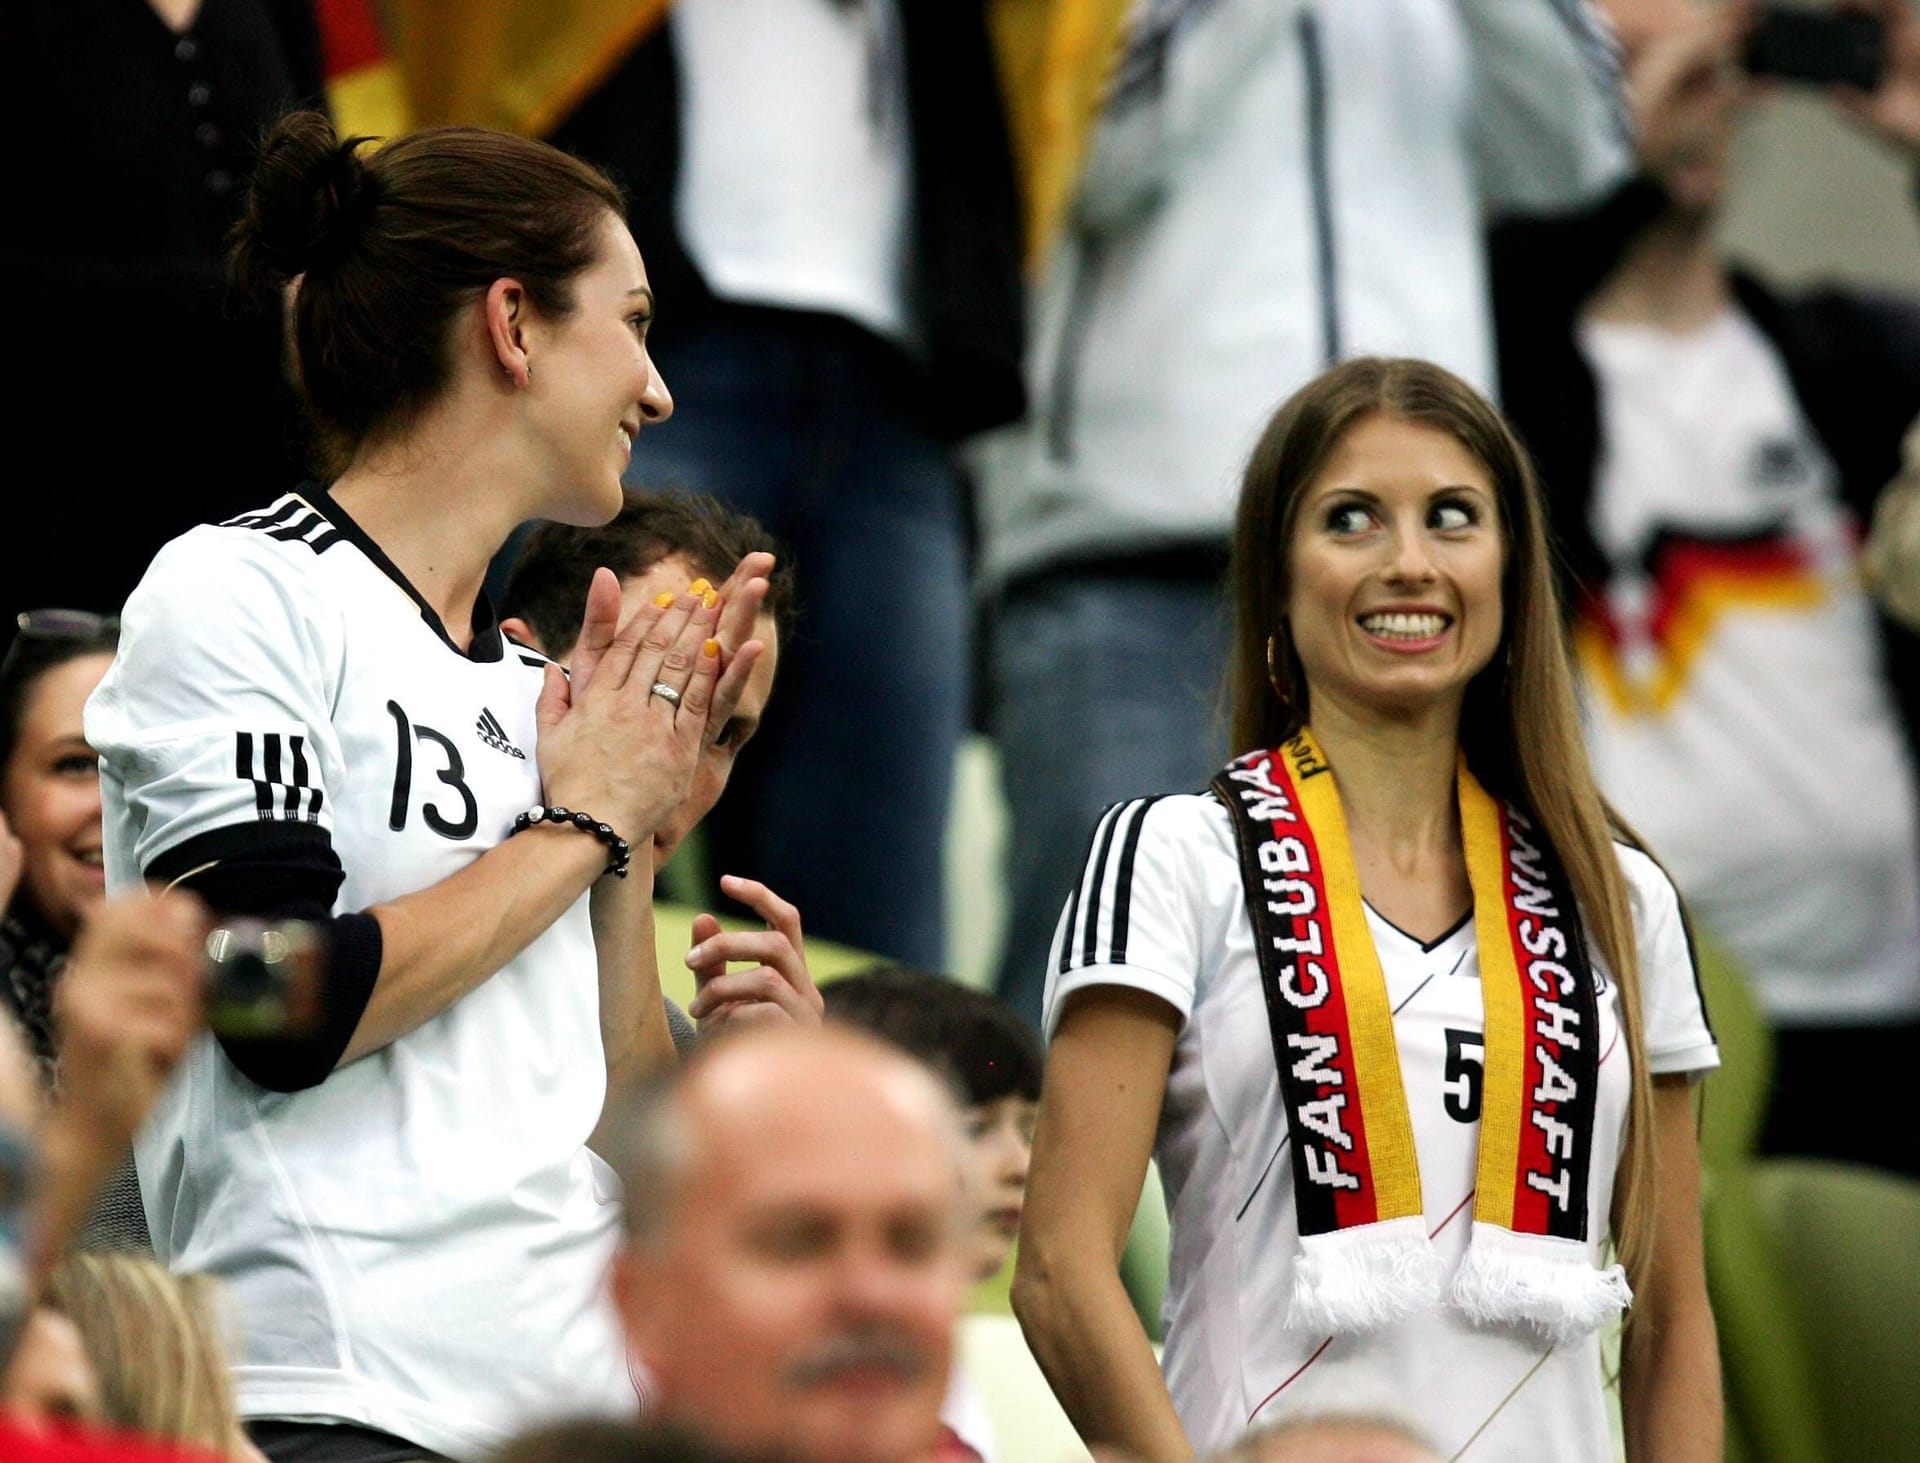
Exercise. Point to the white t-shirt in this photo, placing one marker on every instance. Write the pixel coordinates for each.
(965, 1411)
(419, 1243)
(796, 169)
(1161, 909)
(1738, 709)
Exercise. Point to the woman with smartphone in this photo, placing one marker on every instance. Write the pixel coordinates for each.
(315, 716)
(1406, 1018)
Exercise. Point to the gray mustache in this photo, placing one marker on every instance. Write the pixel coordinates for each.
(867, 1348)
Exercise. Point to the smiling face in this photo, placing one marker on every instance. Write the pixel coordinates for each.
(593, 385)
(1393, 572)
(51, 793)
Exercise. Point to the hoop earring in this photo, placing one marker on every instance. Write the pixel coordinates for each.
(1273, 675)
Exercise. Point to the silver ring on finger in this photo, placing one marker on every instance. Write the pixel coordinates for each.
(666, 693)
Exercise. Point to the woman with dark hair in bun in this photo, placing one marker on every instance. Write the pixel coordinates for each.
(314, 716)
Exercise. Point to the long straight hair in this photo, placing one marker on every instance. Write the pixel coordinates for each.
(1519, 725)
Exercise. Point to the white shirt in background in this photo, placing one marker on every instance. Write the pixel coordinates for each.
(1738, 711)
(796, 170)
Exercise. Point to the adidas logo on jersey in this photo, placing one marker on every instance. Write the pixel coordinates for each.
(495, 735)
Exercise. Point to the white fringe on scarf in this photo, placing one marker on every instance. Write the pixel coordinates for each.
(1537, 1280)
(1352, 1280)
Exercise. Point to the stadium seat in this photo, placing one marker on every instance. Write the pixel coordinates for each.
(1850, 1239)
(1773, 1414)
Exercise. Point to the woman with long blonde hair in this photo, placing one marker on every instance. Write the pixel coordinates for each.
(158, 1343)
(1406, 1018)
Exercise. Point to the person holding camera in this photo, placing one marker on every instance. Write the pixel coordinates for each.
(315, 717)
(1714, 448)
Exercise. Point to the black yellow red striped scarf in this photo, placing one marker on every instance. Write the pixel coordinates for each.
(1365, 1254)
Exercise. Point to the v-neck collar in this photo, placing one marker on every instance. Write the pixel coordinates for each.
(1427, 947)
(488, 643)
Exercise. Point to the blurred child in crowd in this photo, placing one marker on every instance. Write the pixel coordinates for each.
(991, 1060)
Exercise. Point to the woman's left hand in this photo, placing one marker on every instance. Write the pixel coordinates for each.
(778, 991)
(1891, 111)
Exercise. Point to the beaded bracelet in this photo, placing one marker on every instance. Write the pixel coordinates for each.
(585, 822)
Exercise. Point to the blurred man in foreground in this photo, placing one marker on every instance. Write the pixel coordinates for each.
(794, 1259)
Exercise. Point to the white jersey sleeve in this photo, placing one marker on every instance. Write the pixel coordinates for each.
(1137, 915)
(215, 713)
(1678, 1038)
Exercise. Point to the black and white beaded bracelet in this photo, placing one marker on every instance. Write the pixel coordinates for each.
(620, 852)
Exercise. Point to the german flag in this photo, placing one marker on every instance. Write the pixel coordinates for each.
(364, 87)
(1696, 583)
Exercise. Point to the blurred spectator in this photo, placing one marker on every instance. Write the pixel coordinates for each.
(659, 545)
(1270, 187)
(794, 1261)
(129, 1001)
(50, 1379)
(128, 1004)
(1892, 555)
(1714, 447)
(1330, 1440)
(144, 114)
(992, 1060)
(156, 1341)
(824, 195)
(50, 798)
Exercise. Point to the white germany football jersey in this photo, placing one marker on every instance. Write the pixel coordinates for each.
(1160, 908)
(419, 1243)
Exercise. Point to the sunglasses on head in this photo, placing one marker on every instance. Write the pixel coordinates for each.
(67, 624)
(60, 627)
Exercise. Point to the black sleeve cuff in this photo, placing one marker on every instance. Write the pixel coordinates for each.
(283, 870)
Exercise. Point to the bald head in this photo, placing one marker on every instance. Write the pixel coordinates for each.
(796, 1262)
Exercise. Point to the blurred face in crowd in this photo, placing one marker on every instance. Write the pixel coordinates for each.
(51, 795)
(1394, 571)
(50, 1379)
(999, 1147)
(672, 575)
(1707, 90)
(802, 1291)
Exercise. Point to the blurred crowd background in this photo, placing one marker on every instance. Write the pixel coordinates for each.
(977, 307)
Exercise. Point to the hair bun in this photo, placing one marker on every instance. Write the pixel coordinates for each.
(307, 207)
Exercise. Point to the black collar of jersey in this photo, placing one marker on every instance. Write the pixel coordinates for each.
(488, 643)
